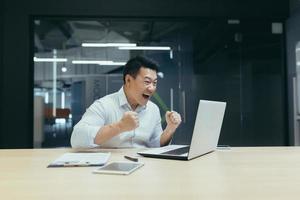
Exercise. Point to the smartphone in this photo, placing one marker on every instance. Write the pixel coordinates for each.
(123, 168)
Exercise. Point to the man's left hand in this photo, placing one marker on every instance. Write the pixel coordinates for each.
(173, 120)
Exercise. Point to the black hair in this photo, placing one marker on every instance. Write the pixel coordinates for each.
(133, 66)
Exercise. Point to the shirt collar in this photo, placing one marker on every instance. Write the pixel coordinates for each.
(123, 101)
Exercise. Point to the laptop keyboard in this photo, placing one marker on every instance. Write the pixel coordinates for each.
(178, 151)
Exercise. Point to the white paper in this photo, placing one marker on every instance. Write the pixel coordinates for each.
(82, 159)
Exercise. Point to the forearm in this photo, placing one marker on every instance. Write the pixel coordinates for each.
(128, 122)
(107, 132)
(166, 136)
(173, 121)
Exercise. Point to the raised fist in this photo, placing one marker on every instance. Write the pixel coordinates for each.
(173, 119)
(129, 121)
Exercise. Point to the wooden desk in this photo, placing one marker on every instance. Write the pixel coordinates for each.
(239, 173)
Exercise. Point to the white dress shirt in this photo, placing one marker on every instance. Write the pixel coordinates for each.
(110, 109)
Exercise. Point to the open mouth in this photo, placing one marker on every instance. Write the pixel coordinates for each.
(146, 96)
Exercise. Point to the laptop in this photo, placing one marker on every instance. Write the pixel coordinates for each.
(205, 136)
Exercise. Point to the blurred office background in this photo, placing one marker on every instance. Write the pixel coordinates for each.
(57, 57)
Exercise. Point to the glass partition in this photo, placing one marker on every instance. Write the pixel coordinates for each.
(79, 61)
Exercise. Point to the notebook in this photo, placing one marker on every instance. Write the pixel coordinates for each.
(205, 136)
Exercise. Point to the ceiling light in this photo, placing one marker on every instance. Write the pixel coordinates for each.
(64, 69)
(91, 62)
(160, 74)
(108, 44)
(145, 48)
(98, 62)
(35, 59)
(115, 63)
(171, 54)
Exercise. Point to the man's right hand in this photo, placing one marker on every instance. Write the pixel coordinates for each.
(129, 121)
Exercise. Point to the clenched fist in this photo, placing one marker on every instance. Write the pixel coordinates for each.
(173, 119)
(129, 121)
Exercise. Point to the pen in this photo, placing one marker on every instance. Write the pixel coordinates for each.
(134, 159)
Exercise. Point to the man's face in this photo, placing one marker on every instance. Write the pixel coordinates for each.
(142, 87)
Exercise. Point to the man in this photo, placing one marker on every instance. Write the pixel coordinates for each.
(127, 118)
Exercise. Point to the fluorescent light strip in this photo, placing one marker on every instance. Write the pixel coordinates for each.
(35, 59)
(108, 44)
(63, 100)
(145, 48)
(54, 83)
(115, 63)
(47, 97)
(98, 62)
(92, 62)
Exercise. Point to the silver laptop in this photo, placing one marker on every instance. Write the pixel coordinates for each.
(205, 137)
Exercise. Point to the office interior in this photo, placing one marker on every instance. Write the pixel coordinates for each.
(244, 53)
